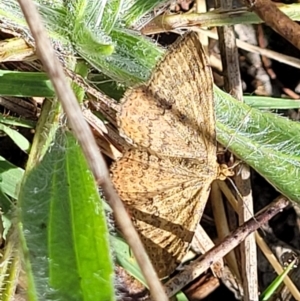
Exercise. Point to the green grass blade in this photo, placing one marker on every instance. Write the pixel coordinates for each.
(64, 228)
(10, 178)
(136, 9)
(271, 289)
(125, 258)
(17, 121)
(25, 84)
(271, 103)
(15, 83)
(17, 138)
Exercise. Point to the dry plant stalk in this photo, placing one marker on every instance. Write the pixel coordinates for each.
(233, 85)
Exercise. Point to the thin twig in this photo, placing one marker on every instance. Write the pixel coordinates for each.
(85, 138)
(261, 243)
(276, 19)
(199, 266)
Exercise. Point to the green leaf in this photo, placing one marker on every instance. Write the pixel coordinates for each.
(181, 297)
(108, 86)
(17, 121)
(270, 290)
(65, 237)
(90, 44)
(10, 177)
(96, 15)
(271, 102)
(25, 84)
(267, 142)
(18, 138)
(85, 20)
(125, 258)
(111, 14)
(5, 202)
(119, 53)
(132, 61)
(81, 68)
(136, 9)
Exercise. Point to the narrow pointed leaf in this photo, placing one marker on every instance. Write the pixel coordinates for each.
(271, 289)
(25, 84)
(262, 102)
(10, 178)
(17, 138)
